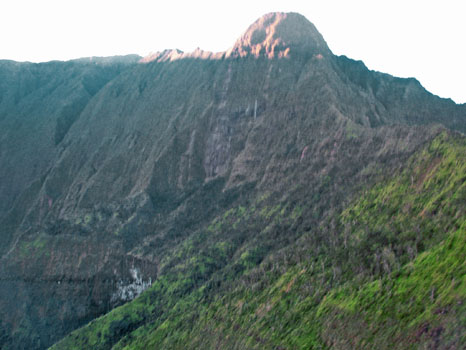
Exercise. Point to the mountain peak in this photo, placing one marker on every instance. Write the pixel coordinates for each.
(276, 34)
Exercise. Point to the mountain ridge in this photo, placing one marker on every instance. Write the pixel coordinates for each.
(182, 176)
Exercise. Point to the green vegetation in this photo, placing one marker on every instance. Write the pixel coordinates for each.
(87, 219)
(398, 218)
(414, 305)
(37, 247)
(388, 272)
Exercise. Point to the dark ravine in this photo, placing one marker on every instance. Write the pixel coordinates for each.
(186, 177)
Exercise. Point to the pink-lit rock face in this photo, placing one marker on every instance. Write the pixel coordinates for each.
(276, 35)
(173, 55)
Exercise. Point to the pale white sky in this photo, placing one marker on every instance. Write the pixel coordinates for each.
(407, 38)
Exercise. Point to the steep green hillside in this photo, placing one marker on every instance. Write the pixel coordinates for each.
(387, 271)
(420, 305)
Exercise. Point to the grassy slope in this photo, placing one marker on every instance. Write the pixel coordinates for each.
(386, 271)
(418, 306)
(416, 303)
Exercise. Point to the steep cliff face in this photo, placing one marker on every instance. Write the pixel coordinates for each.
(38, 105)
(121, 164)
